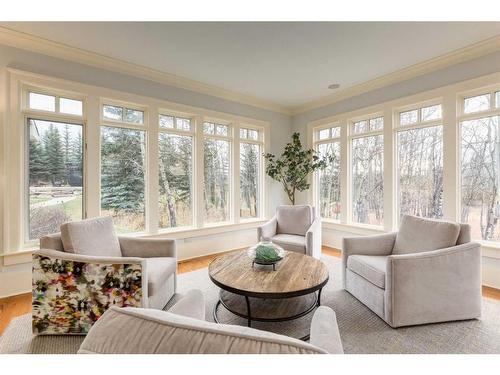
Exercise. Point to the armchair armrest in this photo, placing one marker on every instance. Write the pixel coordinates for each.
(268, 229)
(325, 331)
(379, 244)
(192, 305)
(313, 239)
(434, 286)
(148, 247)
(71, 291)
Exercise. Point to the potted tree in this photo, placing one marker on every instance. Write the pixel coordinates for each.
(294, 166)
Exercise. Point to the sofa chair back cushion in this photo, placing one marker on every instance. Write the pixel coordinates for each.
(417, 235)
(91, 237)
(148, 331)
(294, 219)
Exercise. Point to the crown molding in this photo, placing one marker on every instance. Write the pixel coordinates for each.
(47, 47)
(37, 44)
(470, 52)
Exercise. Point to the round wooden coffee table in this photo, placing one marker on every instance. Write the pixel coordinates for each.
(246, 289)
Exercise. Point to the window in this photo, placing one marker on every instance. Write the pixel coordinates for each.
(480, 168)
(55, 170)
(217, 160)
(420, 164)
(175, 172)
(123, 169)
(122, 114)
(56, 104)
(367, 148)
(328, 180)
(250, 173)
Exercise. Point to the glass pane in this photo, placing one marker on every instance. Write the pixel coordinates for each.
(408, 117)
(420, 172)
(134, 116)
(360, 127)
(336, 132)
(480, 177)
(253, 134)
(222, 130)
(377, 123)
(249, 180)
(183, 123)
(111, 112)
(55, 175)
(216, 180)
(431, 113)
(477, 103)
(243, 133)
(166, 122)
(175, 177)
(367, 180)
(329, 182)
(123, 164)
(71, 107)
(209, 128)
(324, 134)
(42, 102)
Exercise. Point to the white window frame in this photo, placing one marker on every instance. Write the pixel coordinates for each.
(417, 125)
(350, 137)
(315, 144)
(461, 117)
(93, 97)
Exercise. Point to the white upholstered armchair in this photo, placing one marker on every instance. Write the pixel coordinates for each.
(184, 330)
(428, 272)
(82, 271)
(294, 228)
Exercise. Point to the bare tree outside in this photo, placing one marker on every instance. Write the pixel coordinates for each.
(249, 180)
(480, 152)
(217, 157)
(420, 171)
(329, 181)
(175, 170)
(367, 179)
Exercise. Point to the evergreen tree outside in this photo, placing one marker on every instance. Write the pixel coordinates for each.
(122, 176)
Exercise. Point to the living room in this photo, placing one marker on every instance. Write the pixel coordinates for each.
(296, 187)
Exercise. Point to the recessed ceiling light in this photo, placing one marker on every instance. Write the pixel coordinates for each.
(334, 86)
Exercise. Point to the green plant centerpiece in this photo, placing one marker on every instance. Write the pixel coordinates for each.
(294, 166)
(266, 253)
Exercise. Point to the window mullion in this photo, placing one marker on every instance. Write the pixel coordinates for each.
(92, 164)
(198, 182)
(235, 171)
(389, 192)
(451, 159)
(152, 186)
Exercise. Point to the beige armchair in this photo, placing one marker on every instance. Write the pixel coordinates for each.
(294, 228)
(183, 330)
(428, 272)
(78, 275)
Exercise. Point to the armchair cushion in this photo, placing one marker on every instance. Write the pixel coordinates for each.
(291, 242)
(294, 219)
(159, 271)
(370, 267)
(91, 237)
(418, 235)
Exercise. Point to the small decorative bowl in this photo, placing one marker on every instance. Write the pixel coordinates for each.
(266, 253)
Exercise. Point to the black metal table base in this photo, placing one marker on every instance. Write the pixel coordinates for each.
(248, 315)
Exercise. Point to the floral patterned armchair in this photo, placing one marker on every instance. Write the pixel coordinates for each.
(72, 291)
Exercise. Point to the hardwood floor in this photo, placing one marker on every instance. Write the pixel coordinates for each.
(11, 307)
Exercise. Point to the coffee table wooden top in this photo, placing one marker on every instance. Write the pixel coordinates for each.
(295, 275)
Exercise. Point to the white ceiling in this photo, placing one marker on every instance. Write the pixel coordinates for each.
(286, 63)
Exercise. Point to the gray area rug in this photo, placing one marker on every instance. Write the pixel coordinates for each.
(361, 330)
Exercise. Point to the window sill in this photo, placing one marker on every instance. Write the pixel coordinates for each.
(352, 228)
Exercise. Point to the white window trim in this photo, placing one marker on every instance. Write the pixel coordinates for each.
(93, 97)
(450, 98)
